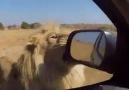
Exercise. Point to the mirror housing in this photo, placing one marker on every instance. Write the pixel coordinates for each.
(106, 61)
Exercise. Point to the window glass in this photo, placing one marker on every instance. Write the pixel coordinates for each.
(29, 29)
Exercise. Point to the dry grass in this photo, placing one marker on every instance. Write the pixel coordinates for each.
(89, 26)
(13, 41)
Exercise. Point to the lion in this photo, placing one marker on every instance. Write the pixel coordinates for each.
(27, 64)
(5, 68)
(8, 68)
(8, 75)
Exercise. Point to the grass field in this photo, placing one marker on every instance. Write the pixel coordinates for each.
(12, 42)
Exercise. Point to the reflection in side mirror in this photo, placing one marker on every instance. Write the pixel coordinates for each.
(82, 45)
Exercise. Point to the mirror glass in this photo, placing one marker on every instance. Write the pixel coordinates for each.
(82, 45)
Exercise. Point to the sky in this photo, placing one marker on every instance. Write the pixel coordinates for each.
(61, 11)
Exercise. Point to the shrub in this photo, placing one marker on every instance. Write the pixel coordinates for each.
(35, 25)
(13, 27)
(103, 27)
(1, 26)
(25, 25)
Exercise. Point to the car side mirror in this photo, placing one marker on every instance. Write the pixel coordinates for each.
(91, 47)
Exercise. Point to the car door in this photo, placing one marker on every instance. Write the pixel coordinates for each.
(118, 12)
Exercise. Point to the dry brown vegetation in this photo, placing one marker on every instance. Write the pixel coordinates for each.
(89, 26)
(13, 41)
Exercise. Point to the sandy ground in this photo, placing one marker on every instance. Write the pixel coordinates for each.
(78, 47)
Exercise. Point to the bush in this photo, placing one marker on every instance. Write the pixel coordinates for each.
(35, 25)
(13, 27)
(1, 26)
(103, 27)
(25, 25)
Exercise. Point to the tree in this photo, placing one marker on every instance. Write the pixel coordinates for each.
(35, 25)
(13, 27)
(25, 25)
(1, 26)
